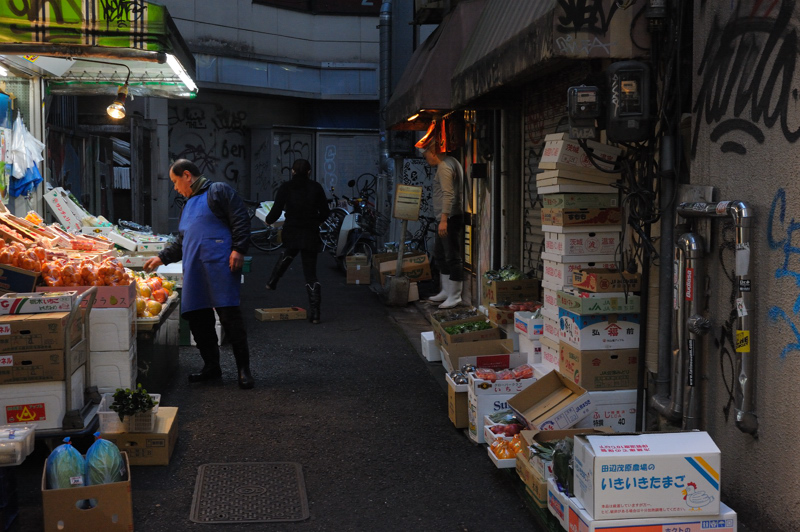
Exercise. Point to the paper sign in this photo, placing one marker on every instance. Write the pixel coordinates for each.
(407, 199)
(5, 328)
(6, 361)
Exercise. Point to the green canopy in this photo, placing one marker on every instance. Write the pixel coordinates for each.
(63, 40)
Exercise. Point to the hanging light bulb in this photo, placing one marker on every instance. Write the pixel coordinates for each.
(117, 109)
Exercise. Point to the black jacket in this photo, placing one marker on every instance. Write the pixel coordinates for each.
(305, 206)
(226, 205)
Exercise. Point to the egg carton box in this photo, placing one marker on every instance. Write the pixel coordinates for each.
(668, 474)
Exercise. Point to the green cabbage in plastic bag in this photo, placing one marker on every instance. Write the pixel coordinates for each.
(104, 463)
(65, 467)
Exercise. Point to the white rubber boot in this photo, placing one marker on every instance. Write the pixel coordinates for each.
(441, 296)
(453, 294)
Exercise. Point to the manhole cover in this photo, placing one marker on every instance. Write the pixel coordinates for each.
(249, 492)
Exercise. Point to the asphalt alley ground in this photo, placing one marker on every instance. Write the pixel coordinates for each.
(351, 399)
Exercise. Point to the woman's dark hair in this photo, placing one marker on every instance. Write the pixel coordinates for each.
(181, 165)
(301, 168)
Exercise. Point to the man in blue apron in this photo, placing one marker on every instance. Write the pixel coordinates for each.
(214, 234)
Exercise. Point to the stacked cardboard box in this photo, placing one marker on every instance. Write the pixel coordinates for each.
(113, 348)
(358, 269)
(599, 343)
(494, 354)
(39, 353)
(567, 251)
(610, 491)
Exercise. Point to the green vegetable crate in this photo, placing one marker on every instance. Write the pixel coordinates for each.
(475, 329)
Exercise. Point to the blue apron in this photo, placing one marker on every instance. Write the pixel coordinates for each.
(207, 243)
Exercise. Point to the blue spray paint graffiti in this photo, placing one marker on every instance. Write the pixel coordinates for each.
(780, 233)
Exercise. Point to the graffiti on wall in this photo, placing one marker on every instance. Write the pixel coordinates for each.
(416, 172)
(593, 28)
(289, 148)
(780, 235)
(214, 138)
(746, 77)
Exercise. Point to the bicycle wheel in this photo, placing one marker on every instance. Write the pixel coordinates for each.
(266, 239)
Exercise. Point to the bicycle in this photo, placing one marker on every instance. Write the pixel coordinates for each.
(264, 237)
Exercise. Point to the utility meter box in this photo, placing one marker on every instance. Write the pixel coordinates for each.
(630, 117)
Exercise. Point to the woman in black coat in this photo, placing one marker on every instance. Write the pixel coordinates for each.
(305, 206)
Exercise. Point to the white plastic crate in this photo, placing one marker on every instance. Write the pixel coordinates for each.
(109, 420)
(16, 443)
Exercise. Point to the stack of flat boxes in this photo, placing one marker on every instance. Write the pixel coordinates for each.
(581, 223)
(112, 347)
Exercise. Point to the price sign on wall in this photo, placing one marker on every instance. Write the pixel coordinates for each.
(407, 200)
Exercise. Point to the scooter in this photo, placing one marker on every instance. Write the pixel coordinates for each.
(343, 232)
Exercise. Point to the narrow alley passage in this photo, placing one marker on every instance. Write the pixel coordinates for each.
(350, 399)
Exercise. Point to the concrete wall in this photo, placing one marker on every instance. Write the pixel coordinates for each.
(745, 128)
(242, 26)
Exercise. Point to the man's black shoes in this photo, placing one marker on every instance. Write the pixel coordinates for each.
(246, 380)
(206, 375)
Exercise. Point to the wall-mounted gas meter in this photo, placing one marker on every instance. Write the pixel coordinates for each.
(583, 109)
(629, 115)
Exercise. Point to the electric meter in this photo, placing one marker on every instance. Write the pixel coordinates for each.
(629, 116)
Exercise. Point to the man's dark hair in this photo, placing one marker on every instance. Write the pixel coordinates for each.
(181, 165)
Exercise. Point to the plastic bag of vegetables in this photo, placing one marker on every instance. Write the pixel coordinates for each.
(104, 463)
(65, 467)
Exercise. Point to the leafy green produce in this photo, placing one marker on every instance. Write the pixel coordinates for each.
(562, 465)
(128, 402)
(104, 463)
(468, 327)
(65, 467)
(504, 416)
(506, 273)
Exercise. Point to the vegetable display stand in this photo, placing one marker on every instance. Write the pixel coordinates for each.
(157, 350)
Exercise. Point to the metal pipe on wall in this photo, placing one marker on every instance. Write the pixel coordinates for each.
(690, 326)
(744, 390)
(385, 31)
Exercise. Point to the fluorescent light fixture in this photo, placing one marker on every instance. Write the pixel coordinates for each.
(3, 71)
(412, 117)
(176, 67)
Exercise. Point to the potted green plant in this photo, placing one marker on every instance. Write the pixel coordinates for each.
(129, 402)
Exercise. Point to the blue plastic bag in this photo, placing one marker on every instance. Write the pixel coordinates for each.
(29, 181)
(65, 467)
(104, 463)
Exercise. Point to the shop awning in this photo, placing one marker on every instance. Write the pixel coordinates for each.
(62, 40)
(424, 88)
(514, 39)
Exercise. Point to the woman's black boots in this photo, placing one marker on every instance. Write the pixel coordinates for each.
(314, 301)
(280, 268)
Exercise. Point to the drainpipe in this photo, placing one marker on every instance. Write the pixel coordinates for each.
(660, 402)
(385, 27)
(742, 215)
(690, 325)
